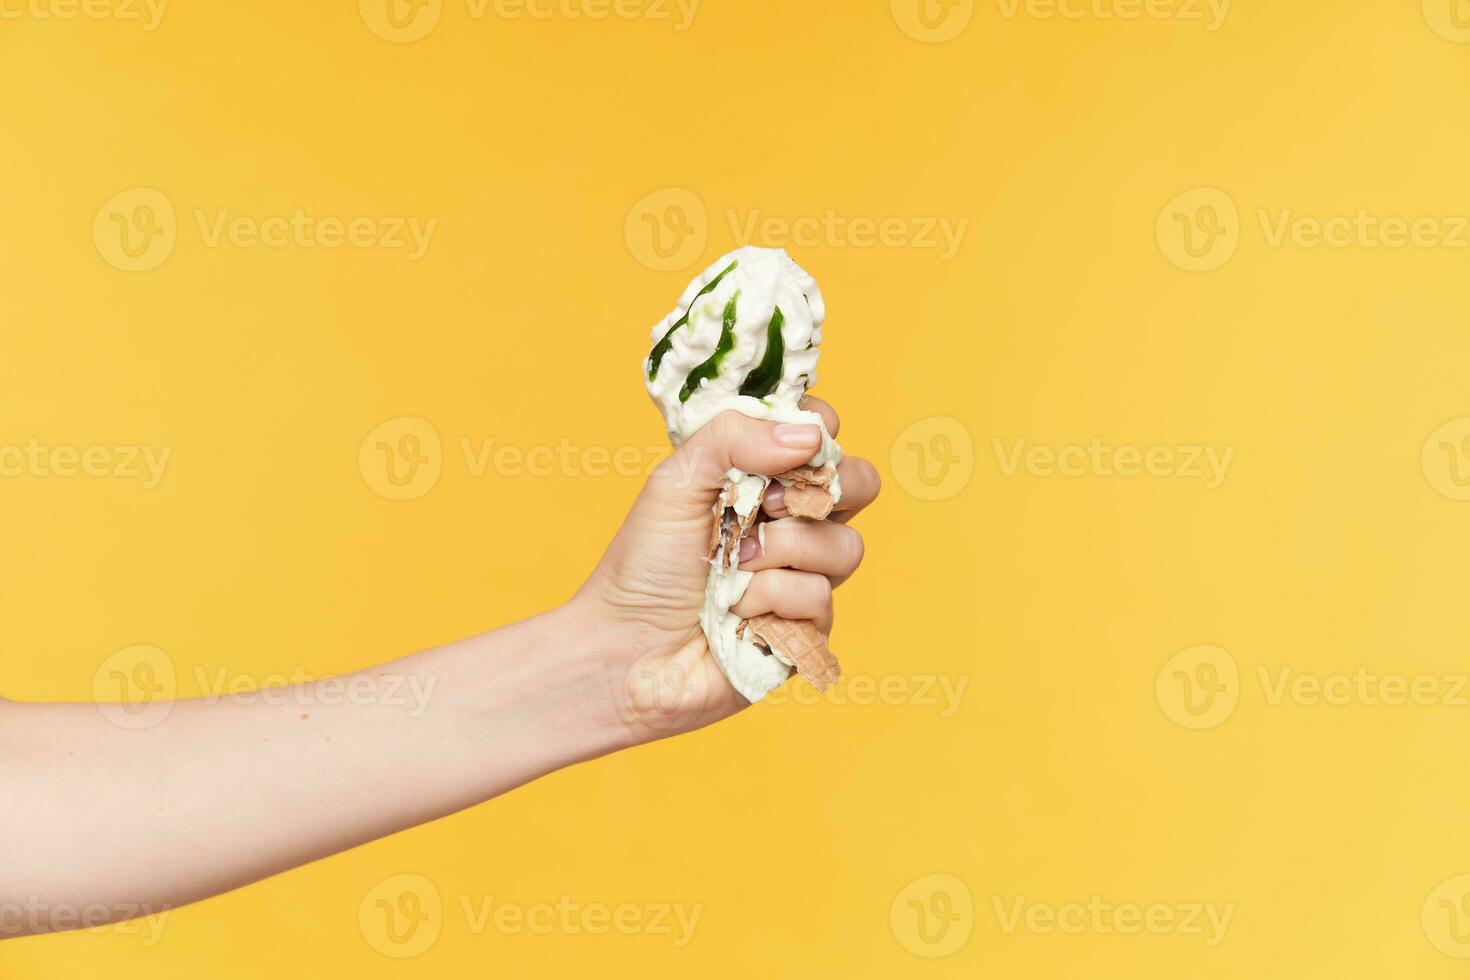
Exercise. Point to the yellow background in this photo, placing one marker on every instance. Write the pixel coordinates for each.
(1057, 600)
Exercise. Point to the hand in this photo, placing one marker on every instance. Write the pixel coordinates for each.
(644, 598)
(193, 801)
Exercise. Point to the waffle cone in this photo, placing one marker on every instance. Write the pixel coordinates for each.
(728, 528)
(717, 527)
(807, 493)
(800, 642)
(817, 476)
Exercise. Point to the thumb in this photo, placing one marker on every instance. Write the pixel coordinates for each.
(735, 441)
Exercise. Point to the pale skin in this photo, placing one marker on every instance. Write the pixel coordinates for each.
(113, 821)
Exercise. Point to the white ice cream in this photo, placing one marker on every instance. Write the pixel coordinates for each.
(711, 354)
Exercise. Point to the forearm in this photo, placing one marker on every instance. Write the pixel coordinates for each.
(219, 794)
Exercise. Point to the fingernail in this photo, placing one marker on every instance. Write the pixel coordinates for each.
(748, 548)
(798, 436)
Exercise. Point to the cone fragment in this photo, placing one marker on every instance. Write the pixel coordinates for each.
(717, 528)
(807, 493)
(800, 642)
(729, 528)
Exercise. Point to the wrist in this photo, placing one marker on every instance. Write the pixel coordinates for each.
(521, 701)
(587, 677)
(590, 675)
(642, 685)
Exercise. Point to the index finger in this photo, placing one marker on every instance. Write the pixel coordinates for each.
(829, 414)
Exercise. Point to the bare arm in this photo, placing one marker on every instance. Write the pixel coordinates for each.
(219, 794)
(100, 816)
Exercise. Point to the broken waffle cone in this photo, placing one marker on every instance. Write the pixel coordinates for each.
(800, 642)
(817, 476)
(808, 501)
(729, 527)
(748, 521)
(807, 493)
(731, 540)
(717, 528)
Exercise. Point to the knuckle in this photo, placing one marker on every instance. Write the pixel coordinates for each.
(823, 408)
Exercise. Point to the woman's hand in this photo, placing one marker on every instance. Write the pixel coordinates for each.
(644, 598)
(121, 818)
